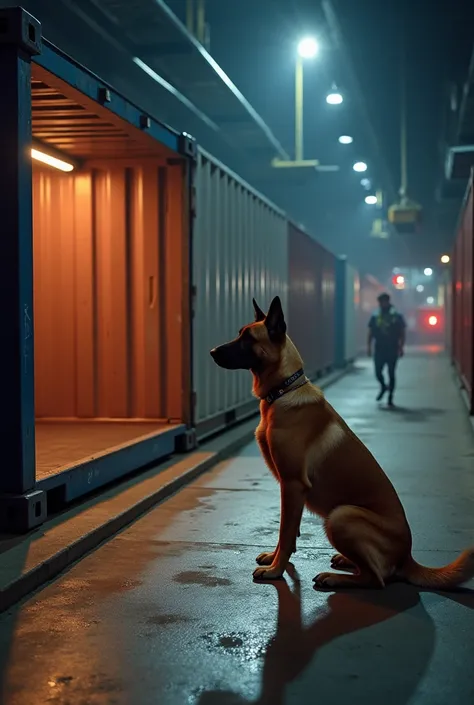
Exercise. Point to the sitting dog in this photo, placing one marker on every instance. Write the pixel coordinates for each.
(321, 464)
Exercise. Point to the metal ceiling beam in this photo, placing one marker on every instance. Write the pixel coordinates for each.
(176, 22)
(94, 12)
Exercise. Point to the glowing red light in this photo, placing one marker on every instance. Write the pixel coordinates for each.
(432, 320)
(398, 281)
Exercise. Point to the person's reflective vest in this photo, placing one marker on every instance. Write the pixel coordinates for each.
(384, 322)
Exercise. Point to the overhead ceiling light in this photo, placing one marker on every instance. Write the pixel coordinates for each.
(334, 98)
(445, 259)
(428, 272)
(345, 139)
(371, 200)
(48, 159)
(360, 166)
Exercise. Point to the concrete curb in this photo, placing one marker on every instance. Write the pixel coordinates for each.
(52, 566)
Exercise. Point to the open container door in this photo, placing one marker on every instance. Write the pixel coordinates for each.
(110, 294)
(110, 248)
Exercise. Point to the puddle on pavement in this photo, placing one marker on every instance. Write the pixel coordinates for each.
(196, 577)
(248, 647)
(163, 620)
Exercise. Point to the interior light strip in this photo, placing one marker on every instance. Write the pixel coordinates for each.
(51, 161)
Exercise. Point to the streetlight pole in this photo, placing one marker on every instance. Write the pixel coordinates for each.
(307, 49)
(299, 92)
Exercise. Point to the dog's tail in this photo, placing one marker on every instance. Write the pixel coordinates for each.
(450, 576)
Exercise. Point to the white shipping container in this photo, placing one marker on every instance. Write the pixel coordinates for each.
(352, 302)
(239, 251)
(347, 313)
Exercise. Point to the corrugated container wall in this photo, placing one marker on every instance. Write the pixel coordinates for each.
(109, 286)
(239, 252)
(463, 295)
(346, 312)
(311, 302)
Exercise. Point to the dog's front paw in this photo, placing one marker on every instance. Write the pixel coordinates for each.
(271, 573)
(325, 580)
(340, 562)
(266, 558)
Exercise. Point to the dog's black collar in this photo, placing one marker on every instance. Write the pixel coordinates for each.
(284, 387)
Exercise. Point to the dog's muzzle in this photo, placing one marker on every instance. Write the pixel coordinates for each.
(233, 356)
(223, 357)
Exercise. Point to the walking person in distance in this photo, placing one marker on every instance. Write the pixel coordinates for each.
(387, 331)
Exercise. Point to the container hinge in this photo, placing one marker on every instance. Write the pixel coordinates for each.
(104, 95)
(193, 200)
(187, 145)
(187, 441)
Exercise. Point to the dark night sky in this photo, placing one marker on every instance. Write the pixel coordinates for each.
(255, 41)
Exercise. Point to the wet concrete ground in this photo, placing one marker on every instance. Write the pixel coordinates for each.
(167, 613)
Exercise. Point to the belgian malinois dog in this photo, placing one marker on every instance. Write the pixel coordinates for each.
(321, 464)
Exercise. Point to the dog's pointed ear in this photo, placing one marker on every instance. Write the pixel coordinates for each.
(259, 315)
(275, 321)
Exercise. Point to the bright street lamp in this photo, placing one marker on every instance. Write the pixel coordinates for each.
(360, 166)
(445, 259)
(428, 272)
(371, 200)
(345, 139)
(308, 48)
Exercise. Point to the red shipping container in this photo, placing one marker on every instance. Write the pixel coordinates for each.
(311, 301)
(463, 293)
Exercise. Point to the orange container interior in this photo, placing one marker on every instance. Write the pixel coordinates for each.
(110, 292)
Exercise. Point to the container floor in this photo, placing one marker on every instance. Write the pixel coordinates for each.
(61, 445)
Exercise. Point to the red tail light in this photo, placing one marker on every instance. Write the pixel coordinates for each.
(433, 321)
